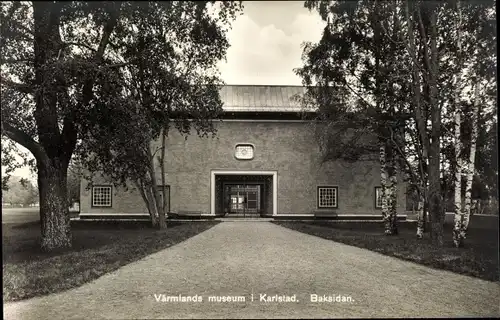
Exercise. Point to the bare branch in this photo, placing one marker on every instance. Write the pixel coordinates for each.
(403, 156)
(26, 141)
(108, 29)
(117, 65)
(154, 153)
(359, 96)
(78, 44)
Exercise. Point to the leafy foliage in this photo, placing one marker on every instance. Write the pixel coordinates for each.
(71, 70)
(171, 83)
(347, 66)
(397, 71)
(358, 75)
(75, 173)
(20, 192)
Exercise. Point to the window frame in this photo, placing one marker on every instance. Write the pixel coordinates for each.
(93, 205)
(318, 197)
(244, 144)
(376, 198)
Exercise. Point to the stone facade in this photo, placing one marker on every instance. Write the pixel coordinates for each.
(285, 147)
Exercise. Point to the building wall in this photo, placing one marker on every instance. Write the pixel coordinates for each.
(123, 201)
(286, 147)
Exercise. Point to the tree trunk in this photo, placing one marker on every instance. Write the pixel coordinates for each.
(391, 227)
(163, 214)
(476, 207)
(459, 217)
(153, 194)
(384, 186)
(146, 195)
(435, 197)
(427, 219)
(436, 208)
(418, 108)
(155, 201)
(54, 212)
(393, 207)
(153, 208)
(420, 217)
(470, 169)
(458, 229)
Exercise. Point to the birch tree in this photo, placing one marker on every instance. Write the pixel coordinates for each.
(350, 62)
(458, 225)
(471, 164)
(475, 43)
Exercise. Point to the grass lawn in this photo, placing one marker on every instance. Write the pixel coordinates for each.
(478, 258)
(21, 215)
(98, 248)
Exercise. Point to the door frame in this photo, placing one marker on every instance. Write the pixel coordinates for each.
(274, 175)
(262, 192)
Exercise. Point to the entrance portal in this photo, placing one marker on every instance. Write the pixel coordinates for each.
(243, 195)
(243, 198)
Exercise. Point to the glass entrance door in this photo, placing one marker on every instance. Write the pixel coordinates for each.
(242, 198)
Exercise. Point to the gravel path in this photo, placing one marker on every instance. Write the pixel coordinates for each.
(241, 258)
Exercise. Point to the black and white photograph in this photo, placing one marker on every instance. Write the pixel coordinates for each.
(317, 159)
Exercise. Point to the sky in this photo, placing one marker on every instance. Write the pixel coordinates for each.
(266, 42)
(265, 47)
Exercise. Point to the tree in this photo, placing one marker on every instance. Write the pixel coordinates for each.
(75, 173)
(473, 69)
(409, 114)
(443, 75)
(30, 194)
(167, 87)
(10, 152)
(60, 65)
(20, 192)
(436, 207)
(350, 61)
(15, 193)
(487, 153)
(458, 144)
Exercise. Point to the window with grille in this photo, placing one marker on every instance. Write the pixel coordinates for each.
(378, 197)
(101, 196)
(327, 197)
(244, 151)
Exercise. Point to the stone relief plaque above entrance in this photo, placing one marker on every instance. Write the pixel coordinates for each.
(244, 151)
